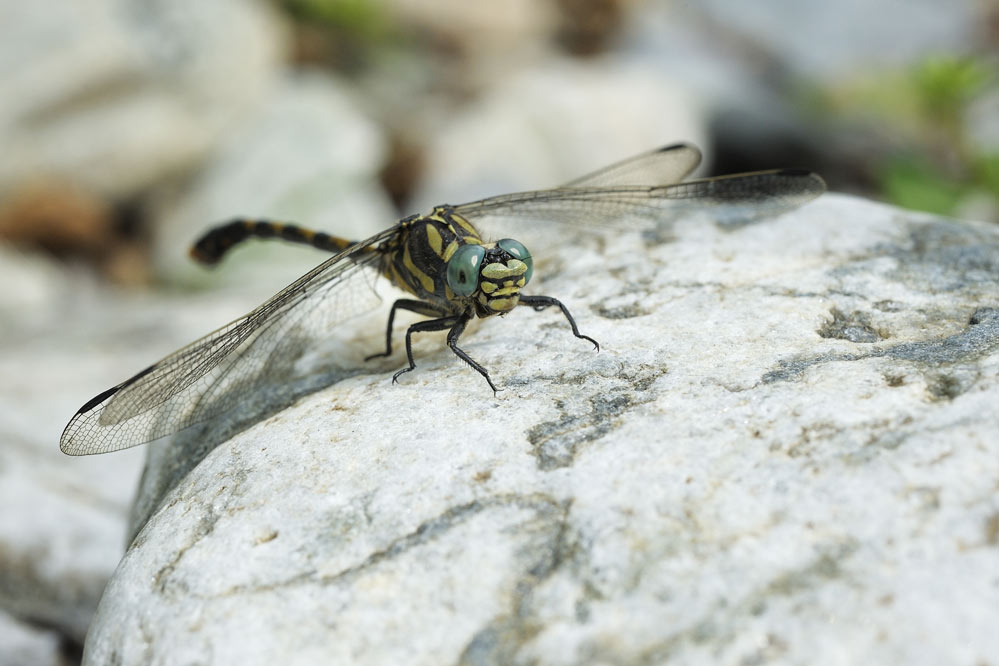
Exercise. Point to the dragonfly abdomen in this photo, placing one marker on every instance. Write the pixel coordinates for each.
(216, 242)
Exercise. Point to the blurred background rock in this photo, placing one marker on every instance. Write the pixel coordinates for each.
(129, 126)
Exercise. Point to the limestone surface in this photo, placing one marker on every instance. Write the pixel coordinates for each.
(785, 451)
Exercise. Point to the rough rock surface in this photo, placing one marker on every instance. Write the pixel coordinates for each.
(785, 451)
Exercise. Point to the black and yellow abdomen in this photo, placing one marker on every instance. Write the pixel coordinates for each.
(211, 247)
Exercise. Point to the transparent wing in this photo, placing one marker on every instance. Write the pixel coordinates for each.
(213, 374)
(669, 164)
(739, 198)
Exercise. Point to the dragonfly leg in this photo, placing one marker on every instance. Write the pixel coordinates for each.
(452, 342)
(539, 303)
(419, 307)
(456, 325)
(217, 241)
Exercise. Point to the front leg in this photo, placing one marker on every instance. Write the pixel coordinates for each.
(541, 302)
(456, 324)
(452, 342)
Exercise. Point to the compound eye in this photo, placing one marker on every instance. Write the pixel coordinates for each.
(463, 269)
(517, 249)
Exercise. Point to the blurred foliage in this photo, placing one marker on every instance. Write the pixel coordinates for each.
(916, 183)
(341, 34)
(362, 18)
(925, 109)
(943, 87)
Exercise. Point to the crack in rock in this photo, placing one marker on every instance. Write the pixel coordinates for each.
(427, 531)
(825, 567)
(945, 255)
(854, 326)
(555, 443)
(498, 643)
(979, 338)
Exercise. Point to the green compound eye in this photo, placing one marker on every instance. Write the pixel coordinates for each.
(463, 269)
(517, 249)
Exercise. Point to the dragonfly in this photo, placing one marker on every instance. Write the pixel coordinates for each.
(451, 275)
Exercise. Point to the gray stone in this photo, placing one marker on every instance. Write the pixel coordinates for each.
(21, 645)
(785, 451)
(64, 521)
(492, 36)
(308, 155)
(67, 520)
(547, 124)
(816, 40)
(115, 95)
(62, 526)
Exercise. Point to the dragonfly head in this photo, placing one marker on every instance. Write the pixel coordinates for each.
(492, 275)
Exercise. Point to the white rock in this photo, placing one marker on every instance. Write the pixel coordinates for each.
(548, 124)
(64, 520)
(309, 156)
(115, 95)
(59, 534)
(480, 30)
(814, 41)
(21, 644)
(785, 451)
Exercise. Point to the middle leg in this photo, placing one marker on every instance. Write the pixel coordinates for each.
(419, 307)
(456, 325)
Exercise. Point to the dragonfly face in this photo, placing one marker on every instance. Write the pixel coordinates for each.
(491, 276)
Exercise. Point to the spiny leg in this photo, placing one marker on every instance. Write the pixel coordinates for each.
(456, 324)
(419, 307)
(217, 241)
(452, 342)
(539, 303)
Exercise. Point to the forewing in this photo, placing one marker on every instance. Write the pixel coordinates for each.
(212, 375)
(663, 166)
(737, 199)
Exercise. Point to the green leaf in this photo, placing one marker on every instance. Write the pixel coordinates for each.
(916, 185)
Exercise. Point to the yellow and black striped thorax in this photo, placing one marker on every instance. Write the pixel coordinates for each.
(441, 258)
